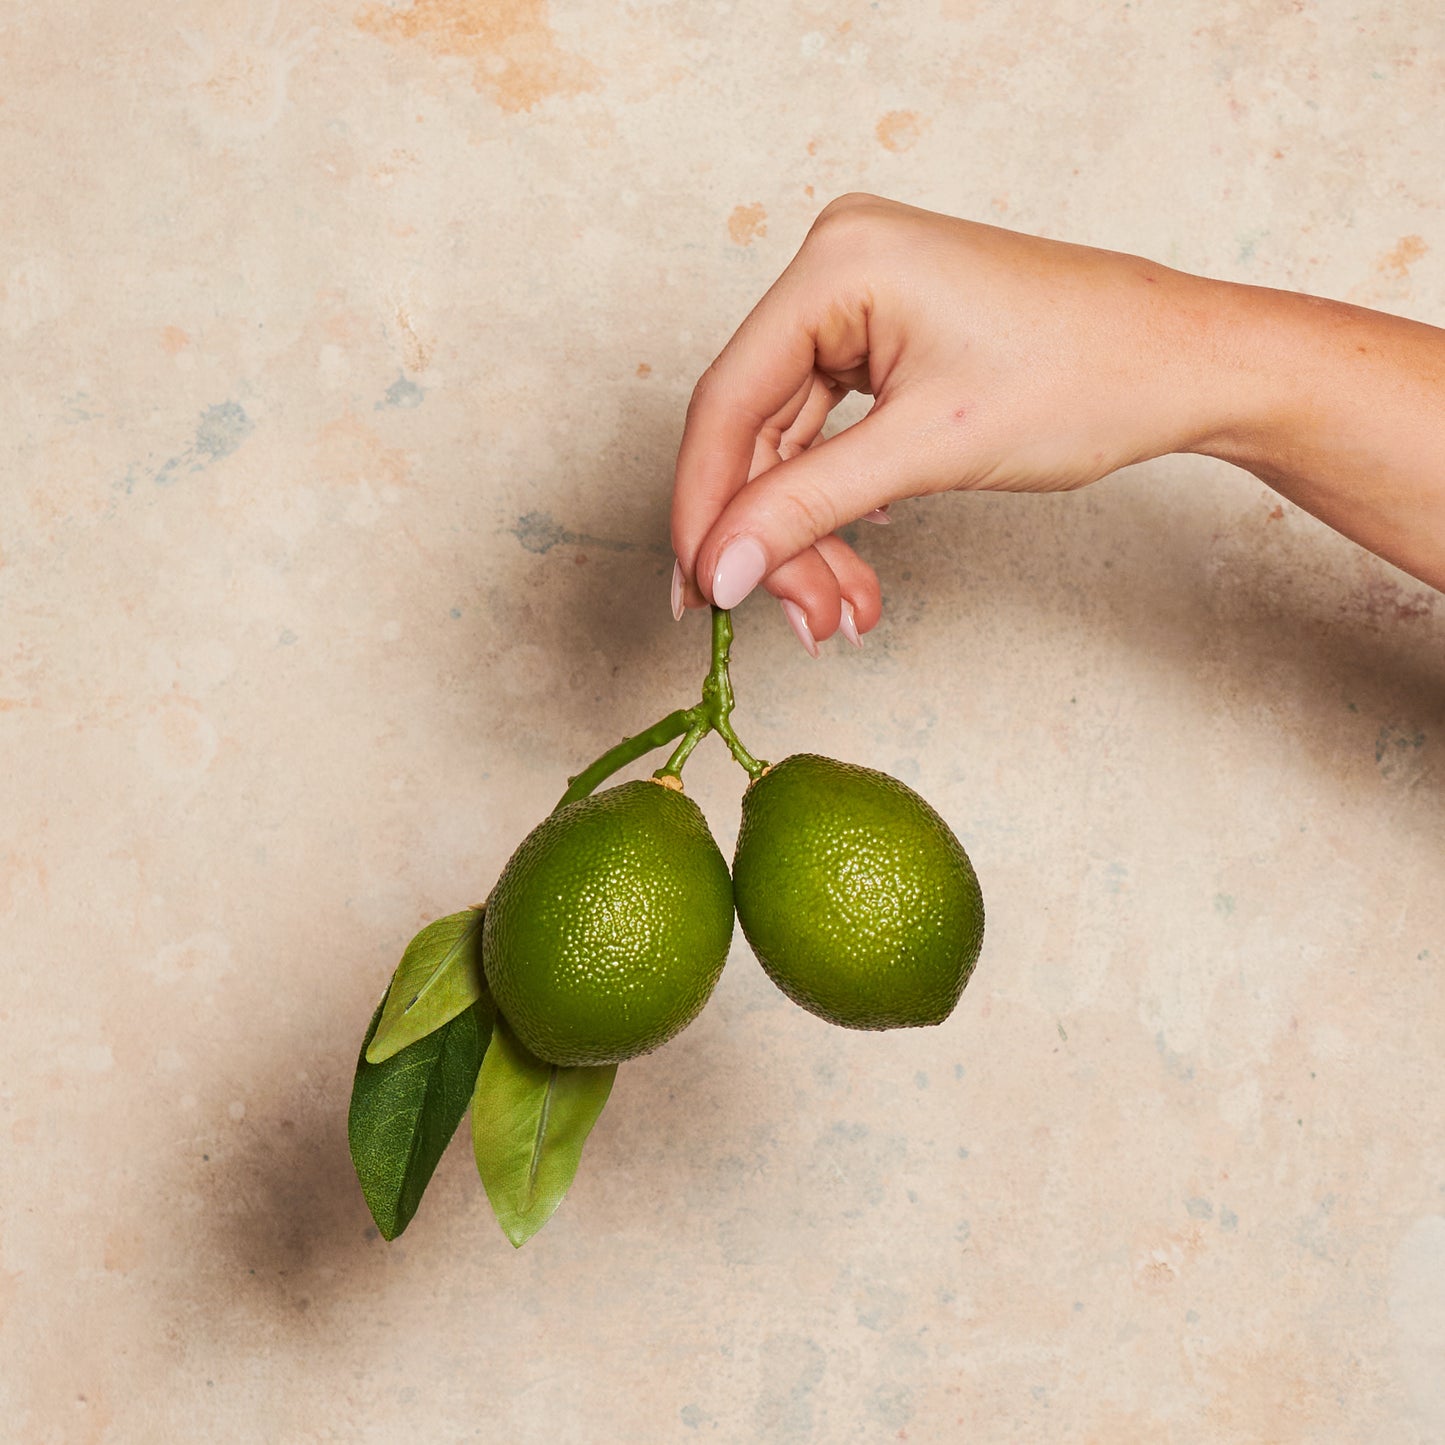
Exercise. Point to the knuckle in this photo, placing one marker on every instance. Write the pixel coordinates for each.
(704, 390)
(850, 201)
(847, 215)
(811, 511)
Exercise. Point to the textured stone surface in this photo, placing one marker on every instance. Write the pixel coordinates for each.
(346, 352)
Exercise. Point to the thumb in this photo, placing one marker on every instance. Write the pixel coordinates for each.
(783, 511)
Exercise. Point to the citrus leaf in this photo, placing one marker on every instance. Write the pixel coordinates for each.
(529, 1123)
(404, 1111)
(438, 976)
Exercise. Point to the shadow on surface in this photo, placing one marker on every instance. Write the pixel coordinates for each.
(1186, 564)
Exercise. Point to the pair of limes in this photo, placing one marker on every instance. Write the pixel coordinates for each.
(611, 923)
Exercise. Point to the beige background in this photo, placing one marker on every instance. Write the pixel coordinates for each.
(346, 349)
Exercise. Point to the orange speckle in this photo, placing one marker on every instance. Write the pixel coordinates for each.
(812, 147)
(899, 130)
(808, 191)
(338, 324)
(124, 1249)
(747, 223)
(1277, 514)
(643, 369)
(349, 453)
(416, 353)
(1397, 262)
(515, 55)
(174, 340)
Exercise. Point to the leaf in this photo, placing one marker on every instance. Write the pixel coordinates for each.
(404, 1111)
(438, 976)
(529, 1123)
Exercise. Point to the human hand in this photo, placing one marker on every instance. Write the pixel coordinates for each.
(996, 361)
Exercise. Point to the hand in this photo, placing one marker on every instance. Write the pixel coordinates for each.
(996, 361)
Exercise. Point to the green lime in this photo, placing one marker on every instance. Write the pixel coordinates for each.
(855, 895)
(609, 926)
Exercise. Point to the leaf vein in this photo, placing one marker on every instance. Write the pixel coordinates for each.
(539, 1142)
(473, 923)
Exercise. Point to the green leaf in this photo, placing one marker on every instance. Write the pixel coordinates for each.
(438, 976)
(404, 1112)
(529, 1123)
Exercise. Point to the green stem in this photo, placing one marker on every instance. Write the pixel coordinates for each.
(717, 694)
(627, 751)
(691, 724)
(700, 728)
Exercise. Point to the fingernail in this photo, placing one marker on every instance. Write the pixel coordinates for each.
(738, 571)
(799, 619)
(878, 516)
(678, 591)
(848, 624)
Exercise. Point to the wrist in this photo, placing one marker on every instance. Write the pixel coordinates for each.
(1238, 369)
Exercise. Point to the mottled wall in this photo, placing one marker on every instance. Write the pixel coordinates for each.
(346, 352)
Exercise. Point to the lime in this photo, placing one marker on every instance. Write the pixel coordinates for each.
(855, 895)
(609, 926)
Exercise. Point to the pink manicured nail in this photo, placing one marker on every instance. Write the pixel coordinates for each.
(848, 624)
(738, 571)
(878, 516)
(678, 593)
(799, 619)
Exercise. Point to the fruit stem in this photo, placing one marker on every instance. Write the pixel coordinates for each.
(691, 724)
(717, 694)
(700, 727)
(628, 751)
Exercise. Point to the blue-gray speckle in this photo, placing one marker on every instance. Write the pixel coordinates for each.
(222, 429)
(539, 532)
(403, 393)
(793, 1368)
(893, 1406)
(1173, 1062)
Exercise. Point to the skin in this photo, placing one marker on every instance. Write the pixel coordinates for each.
(999, 361)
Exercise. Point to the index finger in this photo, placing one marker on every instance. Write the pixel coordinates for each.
(763, 368)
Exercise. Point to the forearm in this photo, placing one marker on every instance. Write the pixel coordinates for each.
(1011, 363)
(1342, 410)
